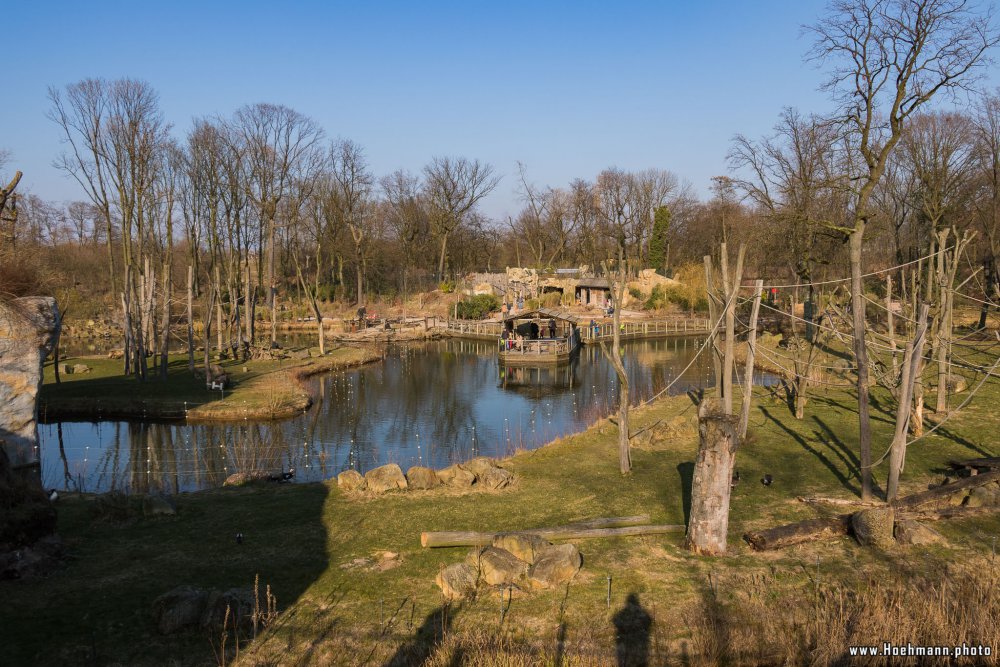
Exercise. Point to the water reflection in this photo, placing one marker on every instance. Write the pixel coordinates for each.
(429, 404)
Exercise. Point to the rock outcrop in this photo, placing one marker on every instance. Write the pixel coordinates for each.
(29, 329)
(385, 478)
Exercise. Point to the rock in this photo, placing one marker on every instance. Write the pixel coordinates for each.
(419, 477)
(240, 604)
(351, 480)
(555, 565)
(65, 369)
(299, 354)
(179, 608)
(80, 369)
(983, 496)
(385, 478)
(457, 581)
(523, 545)
(873, 527)
(957, 499)
(116, 354)
(912, 532)
(28, 329)
(38, 560)
(456, 476)
(498, 567)
(495, 478)
(488, 473)
(158, 506)
(957, 384)
(479, 465)
(241, 478)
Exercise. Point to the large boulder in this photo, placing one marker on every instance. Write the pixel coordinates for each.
(179, 608)
(488, 473)
(910, 532)
(495, 478)
(983, 496)
(37, 560)
(351, 480)
(419, 477)
(244, 477)
(458, 581)
(385, 478)
(157, 505)
(456, 476)
(240, 605)
(873, 527)
(525, 546)
(498, 567)
(555, 565)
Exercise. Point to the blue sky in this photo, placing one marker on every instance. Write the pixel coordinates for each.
(568, 88)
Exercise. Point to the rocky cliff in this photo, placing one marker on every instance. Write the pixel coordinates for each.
(29, 328)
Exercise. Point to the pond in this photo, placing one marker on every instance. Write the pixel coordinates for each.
(427, 404)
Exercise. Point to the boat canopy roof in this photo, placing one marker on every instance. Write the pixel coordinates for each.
(543, 313)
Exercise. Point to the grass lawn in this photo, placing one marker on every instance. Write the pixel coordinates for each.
(307, 542)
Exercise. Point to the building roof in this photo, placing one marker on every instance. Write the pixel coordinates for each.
(545, 313)
(594, 282)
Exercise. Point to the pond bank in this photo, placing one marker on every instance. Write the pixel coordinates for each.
(260, 390)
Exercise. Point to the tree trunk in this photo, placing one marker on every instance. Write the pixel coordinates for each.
(444, 249)
(585, 529)
(190, 318)
(861, 359)
(897, 456)
(751, 353)
(165, 325)
(712, 482)
(713, 316)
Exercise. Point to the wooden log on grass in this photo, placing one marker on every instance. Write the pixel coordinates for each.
(911, 507)
(582, 530)
(941, 492)
(991, 462)
(799, 532)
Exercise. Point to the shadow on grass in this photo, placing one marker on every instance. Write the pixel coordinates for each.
(97, 607)
(686, 472)
(831, 466)
(632, 629)
(425, 640)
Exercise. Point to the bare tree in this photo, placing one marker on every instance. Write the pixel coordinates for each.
(352, 198)
(888, 59)
(279, 143)
(454, 186)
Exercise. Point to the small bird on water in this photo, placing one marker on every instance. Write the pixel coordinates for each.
(53, 495)
(766, 480)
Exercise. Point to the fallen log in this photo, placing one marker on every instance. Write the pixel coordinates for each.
(799, 532)
(604, 527)
(939, 513)
(942, 492)
(856, 502)
(990, 462)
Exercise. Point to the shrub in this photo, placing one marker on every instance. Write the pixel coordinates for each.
(551, 299)
(477, 307)
(635, 293)
(447, 286)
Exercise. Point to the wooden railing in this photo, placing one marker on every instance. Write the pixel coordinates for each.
(602, 331)
(543, 346)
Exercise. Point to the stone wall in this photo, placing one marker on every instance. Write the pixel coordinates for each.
(29, 328)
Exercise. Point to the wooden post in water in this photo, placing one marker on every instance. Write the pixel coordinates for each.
(712, 482)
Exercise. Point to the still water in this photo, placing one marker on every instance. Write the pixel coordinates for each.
(426, 404)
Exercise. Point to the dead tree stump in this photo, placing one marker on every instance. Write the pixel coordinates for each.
(712, 483)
